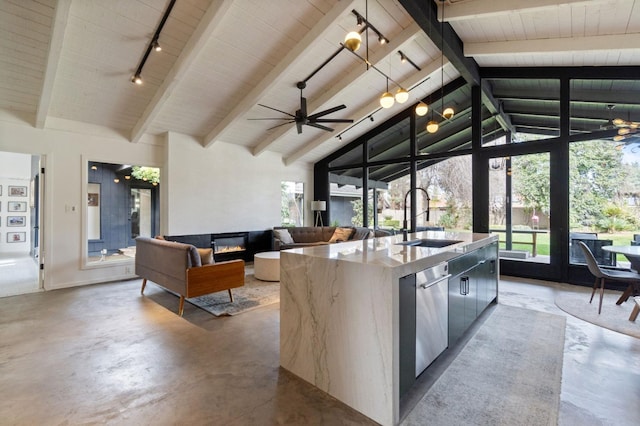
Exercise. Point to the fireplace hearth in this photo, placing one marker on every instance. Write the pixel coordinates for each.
(229, 246)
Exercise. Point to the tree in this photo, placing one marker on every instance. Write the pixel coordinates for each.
(595, 174)
(530, 176)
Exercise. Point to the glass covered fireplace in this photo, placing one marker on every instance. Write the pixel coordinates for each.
(229, 246)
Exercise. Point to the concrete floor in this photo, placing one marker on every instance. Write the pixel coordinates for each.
(104, 354)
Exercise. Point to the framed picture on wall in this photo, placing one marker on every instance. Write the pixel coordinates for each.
(17, 206)
(16, 237)
(16, 220)
(17, 191)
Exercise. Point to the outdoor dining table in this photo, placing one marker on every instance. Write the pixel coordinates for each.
(632, 253)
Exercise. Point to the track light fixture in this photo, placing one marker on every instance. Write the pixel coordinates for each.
(153, 44)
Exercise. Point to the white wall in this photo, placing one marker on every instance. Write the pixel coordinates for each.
(224, 188)
(218, 189)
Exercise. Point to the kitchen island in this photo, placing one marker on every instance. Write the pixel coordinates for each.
(340, 313)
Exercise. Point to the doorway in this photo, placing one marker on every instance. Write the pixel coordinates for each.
(21, 195)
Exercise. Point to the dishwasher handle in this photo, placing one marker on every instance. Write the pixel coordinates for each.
(464, 285)
(432, 283)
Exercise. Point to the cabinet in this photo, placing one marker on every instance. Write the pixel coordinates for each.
(472, 287)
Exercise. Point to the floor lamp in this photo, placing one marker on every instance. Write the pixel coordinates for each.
(318, 206)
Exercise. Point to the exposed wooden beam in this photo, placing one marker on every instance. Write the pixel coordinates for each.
(382, 56)
(492, 8)
(426, 15)
(614, 42)
(194, 47)
(278, 73)
(365, 111)
(59, 26)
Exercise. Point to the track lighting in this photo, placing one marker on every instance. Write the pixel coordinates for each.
(371, 118)
(422, 109)
(382, 40)
(402, 96)
(153, 44)
(403, 58)
(339, 137)
(359, 20)
(353, 40)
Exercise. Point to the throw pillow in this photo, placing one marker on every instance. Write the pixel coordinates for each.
(341, 234)
(284, 236)
(206, 256)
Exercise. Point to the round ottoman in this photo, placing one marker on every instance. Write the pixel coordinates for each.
(266, 266)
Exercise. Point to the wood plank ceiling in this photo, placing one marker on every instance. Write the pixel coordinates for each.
(67, 63)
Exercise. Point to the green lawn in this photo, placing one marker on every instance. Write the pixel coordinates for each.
(619, 238)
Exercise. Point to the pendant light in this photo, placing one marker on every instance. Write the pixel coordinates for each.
(353, 41)
(387, 100)
(422, 109)
(432, 126)
(402, 96)
(448, 112)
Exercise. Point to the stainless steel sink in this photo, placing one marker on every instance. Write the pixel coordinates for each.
(429, 243)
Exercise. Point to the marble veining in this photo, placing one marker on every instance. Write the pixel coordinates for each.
(339, 315)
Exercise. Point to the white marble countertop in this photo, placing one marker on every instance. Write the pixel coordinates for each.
(387, 252)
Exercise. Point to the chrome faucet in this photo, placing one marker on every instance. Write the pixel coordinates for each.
(404, 222)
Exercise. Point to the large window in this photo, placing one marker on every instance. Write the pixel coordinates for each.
(604, 198)
(292, 203)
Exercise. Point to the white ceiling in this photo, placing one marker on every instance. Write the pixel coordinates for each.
(73, 60)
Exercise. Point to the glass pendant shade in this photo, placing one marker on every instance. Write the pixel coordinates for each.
(448, 113)
(422, 109)
(353, 40)
(432, 126)
(386, 100)
(402, 96)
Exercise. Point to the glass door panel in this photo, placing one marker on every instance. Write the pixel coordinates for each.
(519, 203)
(140, 213)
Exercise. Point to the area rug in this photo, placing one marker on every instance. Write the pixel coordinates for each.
(254, 294)
(614, 317)
(509, 373)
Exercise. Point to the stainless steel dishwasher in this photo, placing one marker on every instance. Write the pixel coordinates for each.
(432, 314)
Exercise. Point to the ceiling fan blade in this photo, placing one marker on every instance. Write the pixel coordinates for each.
(273, 118)
(331, 120)
(275, 109)
(288, 122)
(327, 111)
(303, 106)
(328, 129)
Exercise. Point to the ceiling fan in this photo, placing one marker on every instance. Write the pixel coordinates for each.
(301, 118)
